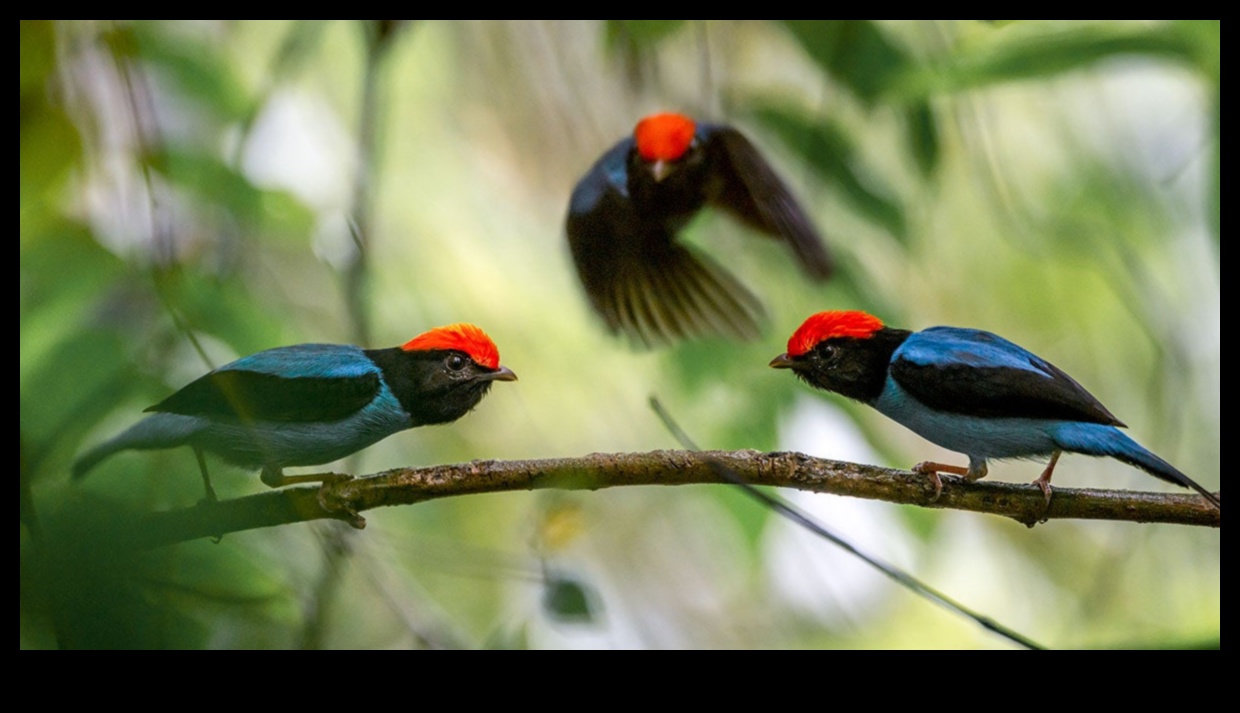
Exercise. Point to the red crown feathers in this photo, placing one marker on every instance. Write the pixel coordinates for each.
(461, 337)
(826, 325)
(664, 137)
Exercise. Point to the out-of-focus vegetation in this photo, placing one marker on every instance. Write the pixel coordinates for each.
(195, 191)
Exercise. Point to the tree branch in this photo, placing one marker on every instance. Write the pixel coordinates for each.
(343, 499)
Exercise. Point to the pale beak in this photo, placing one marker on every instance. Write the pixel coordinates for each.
(661, 169)
(503, 373)
(782, 362)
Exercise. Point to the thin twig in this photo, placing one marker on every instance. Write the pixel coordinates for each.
(791, 512)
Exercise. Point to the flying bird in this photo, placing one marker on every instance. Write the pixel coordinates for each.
(309, 404)
(966, 390)
(626, 212)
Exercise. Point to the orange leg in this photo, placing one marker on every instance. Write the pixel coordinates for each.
(932, 469)
(206, 483)
(975, 471)
(275, 477)
(1044, 480)
(206, 477)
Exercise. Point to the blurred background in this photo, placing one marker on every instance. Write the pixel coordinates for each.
(192, 192)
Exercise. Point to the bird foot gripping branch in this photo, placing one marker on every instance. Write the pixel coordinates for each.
(1044, 480)
(933, 469)
(331, 496)
(335, 497)
(275, 478)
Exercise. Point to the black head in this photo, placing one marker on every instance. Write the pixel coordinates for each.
(436, 385)
(440, 375)
(667, 166)
(845, 352)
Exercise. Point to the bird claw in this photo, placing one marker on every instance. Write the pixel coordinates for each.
(1046, 494)
(272, 477)
(206, 477)
(207, 502)
(1044, 482)
(931, 469)
(331, 500)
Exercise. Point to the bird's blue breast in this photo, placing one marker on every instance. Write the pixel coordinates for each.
(981, 437)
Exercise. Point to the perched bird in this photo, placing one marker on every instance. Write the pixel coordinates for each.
(625, 214)
(309, 404)
(966, 390)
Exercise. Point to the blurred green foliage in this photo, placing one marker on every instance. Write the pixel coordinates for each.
(191, 191)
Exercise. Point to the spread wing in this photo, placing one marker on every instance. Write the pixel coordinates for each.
(976, 373)
(639, 280)
(752, 192)
(307, 382)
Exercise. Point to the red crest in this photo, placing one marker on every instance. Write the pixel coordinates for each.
(826, 325)
(664, 137)
(460, 337)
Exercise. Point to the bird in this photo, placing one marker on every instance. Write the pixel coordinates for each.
(309, 404)
(626, 213)
(967, 390)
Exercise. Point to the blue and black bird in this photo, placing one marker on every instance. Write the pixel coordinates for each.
(625, 214)
(310, 404)
(966, 390)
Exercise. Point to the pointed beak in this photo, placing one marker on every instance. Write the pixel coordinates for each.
(503, 373)
(661, 169)
(783, 361)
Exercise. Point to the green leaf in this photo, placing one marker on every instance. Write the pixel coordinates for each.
(49, 141)
(639, 34)
(69, 389)
(225, 309)
(1204, 38)
(110, 597)
(1042, 49)
(195, 67)
(63, 265)
(567, 599)
(36, 54)
(217, 183)
(49, 147)
(855, 53)
(923, 136)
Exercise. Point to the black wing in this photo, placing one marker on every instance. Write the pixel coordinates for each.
(252, 395)
(755, 194)
(637, 278)
(977, 373)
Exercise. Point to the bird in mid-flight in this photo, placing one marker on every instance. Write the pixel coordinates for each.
(626, 212)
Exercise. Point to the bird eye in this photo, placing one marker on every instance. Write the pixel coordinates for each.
(455, 362)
